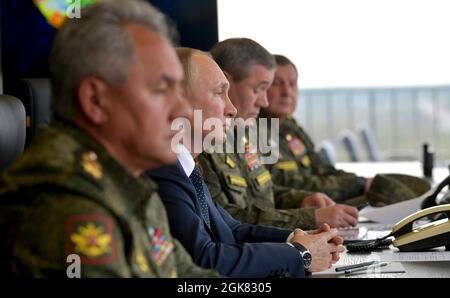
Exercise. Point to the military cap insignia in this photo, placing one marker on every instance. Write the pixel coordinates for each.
(295, 145)
(251, 157)
(160, 246)
(230, 162)
(305, 161)
(91, 165)
(141, 261)
(91, 237)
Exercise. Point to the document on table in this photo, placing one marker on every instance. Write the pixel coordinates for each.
(393, 267)
(394, 212)
(423, 256)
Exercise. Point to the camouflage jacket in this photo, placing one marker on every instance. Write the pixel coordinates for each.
(244, 187)
(299, 166)
(66, 195)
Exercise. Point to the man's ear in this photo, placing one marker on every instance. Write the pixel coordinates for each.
(92, 99)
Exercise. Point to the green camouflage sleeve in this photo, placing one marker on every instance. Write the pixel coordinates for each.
(303, 218)
(288, 198)
(337, 187)
(47, 239)
(186, 267)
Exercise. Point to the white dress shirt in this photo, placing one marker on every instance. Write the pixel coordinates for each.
(186, 160)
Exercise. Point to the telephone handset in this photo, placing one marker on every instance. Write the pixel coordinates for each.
(431, 200)
(409, 238)
(429, 235)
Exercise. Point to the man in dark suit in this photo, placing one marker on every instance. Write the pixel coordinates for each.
(212, 237)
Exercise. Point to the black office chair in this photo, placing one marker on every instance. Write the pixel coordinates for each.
(12, 129)
(35, 95)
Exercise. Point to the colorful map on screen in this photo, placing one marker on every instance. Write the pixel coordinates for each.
(55, 11)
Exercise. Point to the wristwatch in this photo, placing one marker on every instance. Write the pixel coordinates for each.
(304, 252)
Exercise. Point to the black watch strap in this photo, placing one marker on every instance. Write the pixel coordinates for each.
(299, 246)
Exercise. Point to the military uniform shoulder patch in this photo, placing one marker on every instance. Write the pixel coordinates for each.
(160, 246)
(295, 145)
(91, 165)
(91, 237)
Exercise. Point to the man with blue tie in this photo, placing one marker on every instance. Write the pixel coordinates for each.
(212, 237)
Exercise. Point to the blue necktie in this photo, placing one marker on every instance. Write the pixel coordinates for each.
(199, 184)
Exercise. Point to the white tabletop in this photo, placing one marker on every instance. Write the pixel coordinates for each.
(370, 169)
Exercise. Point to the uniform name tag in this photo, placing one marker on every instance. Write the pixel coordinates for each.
(287, 166)
(236, 180)
(263, 178)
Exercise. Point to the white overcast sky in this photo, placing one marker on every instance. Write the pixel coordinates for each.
(349, 42)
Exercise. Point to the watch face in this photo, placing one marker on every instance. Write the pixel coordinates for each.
(307, 259)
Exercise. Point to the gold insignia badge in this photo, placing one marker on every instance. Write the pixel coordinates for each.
(306, 162)
(91, 237)
(230, 162)
(91, 166)
(173, 274)
(91, 240)
(287, 166)
(141, 261)
(237, 180)
(263, 178)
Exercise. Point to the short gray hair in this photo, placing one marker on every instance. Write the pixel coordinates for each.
(283, 60)
(185, 56)
(97, 44)
(237, 55)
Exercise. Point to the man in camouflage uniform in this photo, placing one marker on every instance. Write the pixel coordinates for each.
(75, 195)
(301, 167)
(239, 181)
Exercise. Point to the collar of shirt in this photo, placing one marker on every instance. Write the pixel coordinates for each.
(186, 160)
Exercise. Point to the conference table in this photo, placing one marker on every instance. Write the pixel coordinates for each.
(370, 169)
(430, 264)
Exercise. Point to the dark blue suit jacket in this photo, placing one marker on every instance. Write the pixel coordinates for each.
(230, 247)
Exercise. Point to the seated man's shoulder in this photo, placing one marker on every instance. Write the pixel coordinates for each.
(52, 227)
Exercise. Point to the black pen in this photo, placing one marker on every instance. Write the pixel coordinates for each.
(343, 268)
(377, 265)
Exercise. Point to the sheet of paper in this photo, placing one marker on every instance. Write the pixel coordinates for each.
(394, 212)
(424, 256)
(393, 267)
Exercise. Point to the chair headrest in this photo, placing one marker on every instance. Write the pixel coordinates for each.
(12, 129)
(38, 90)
